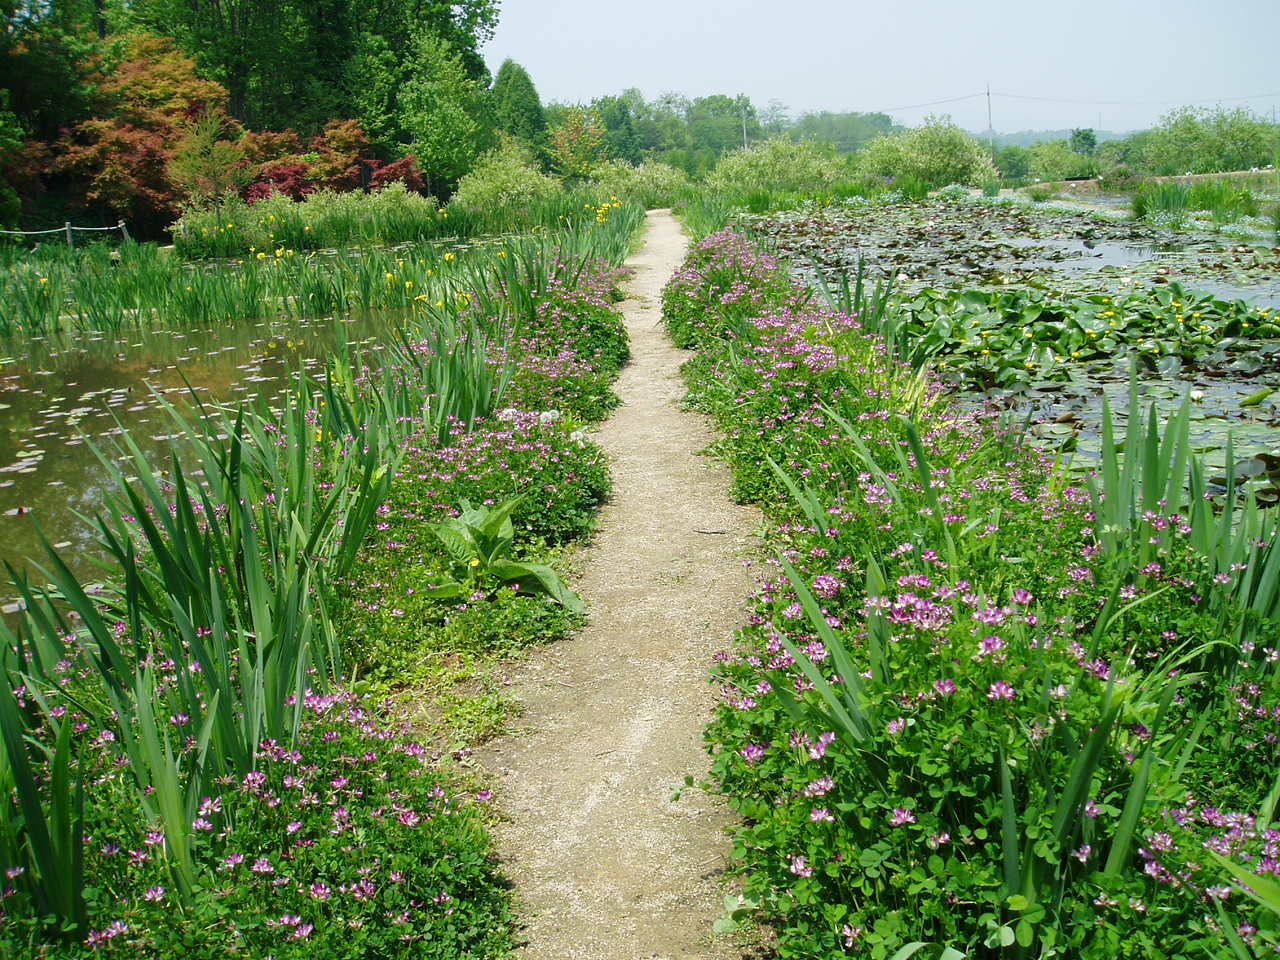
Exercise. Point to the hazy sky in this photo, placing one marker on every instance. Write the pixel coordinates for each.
(859, 55)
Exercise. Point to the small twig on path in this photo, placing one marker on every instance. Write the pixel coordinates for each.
(697, 530)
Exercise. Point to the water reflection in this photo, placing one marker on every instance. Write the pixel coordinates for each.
(55, 392)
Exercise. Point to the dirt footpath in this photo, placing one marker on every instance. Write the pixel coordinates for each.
(606, 866)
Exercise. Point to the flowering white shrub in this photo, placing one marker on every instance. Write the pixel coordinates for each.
(937, 153)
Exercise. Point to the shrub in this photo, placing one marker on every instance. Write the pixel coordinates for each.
(286, 179)
(650, 184)
(1119, 179)
(1203, 140)
(403, 171)
(938, 153)
(1055, 160)
(505, 177)
(269, 146)
(778, 165)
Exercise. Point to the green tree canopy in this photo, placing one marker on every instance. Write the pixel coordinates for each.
(442, 112)
(850, 132)
(621, 140)
(720, 123)
(1198, 140)
(517, 108)
(1084, 141)
(301, 62)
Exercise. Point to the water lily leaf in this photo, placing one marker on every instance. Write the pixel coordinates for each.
(1254, 399)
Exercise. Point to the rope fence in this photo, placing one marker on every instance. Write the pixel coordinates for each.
(67, 229)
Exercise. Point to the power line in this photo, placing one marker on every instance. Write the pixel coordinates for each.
(1095, 103)
(1132, 103)
(931, 103)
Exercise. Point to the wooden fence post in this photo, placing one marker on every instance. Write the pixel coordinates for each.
(70, 242)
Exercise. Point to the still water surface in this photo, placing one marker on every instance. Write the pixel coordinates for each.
(59, 393)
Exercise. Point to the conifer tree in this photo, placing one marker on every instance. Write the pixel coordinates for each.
(517, 109)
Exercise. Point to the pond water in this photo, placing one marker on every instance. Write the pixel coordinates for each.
(1225, 398)
(58, 393)
(994, 246)
(1080, 257)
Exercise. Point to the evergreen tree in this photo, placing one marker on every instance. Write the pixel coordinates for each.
(517, 109)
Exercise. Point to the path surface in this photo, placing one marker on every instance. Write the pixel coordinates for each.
(607, 867)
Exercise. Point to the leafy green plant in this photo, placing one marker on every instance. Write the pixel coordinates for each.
(479, 544)
(777, 165)
(1171, 202)
(41, 825)
(651, 184)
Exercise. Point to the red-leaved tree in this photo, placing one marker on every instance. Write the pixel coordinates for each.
(120, 157)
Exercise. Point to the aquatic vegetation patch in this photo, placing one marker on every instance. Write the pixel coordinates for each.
(978, 243)
(997, 338)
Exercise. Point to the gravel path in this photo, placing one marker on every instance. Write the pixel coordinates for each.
(606, 865)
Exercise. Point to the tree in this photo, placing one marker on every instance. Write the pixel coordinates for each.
(621, 140)
(517, 108)
(292, 62)
(578, 142)
(1055, 160)
(661, 125)
(12, 138)
(850, 132)
(372, 81)
(441, 113)
(1014, 162)
(1084, 142)
(720, 123)
(50, 74)
(1198, 140)
(775, 118)
(209, 161)
(121, 157)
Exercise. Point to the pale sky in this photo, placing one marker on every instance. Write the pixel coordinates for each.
(1150, 55)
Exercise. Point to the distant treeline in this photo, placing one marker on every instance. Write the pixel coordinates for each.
(148, 109)
(1185, 140)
